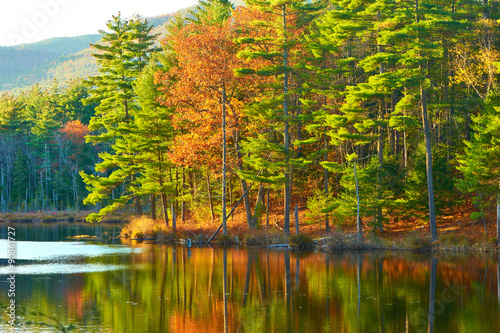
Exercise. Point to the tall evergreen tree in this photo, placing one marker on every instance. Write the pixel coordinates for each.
(282, 33)
(153, 136)
(125, 50)
(211, 12)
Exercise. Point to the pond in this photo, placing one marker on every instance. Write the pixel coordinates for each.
(138, 287)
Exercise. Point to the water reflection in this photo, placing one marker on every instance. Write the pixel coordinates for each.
(432, 293)
(173, 289)
(224, 253)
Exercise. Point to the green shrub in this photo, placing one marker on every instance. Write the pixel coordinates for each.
(301, 242)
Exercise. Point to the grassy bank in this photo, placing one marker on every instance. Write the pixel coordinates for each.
(456, 233)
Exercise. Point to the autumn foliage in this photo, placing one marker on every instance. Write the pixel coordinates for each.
(206, 60)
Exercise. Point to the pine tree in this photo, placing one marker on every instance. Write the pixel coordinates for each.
(280, 36)
(481, 159)
(211, 12)
(153, 136)
(122, 54)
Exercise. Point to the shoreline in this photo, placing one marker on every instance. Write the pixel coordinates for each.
(454, 237)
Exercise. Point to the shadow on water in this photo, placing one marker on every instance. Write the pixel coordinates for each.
(62, 231)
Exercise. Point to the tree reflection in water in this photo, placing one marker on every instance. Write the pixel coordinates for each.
(167, 289)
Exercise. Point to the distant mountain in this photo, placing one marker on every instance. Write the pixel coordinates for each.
(62, 58)
(24, 65)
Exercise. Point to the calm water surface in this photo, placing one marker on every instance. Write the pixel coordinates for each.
(137, 287)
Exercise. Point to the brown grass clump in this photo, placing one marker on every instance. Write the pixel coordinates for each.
(301, 242)
(265, 236)
(417, 242)
(141, 227)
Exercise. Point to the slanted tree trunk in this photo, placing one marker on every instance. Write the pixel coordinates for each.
(258, 206)
(244, 186)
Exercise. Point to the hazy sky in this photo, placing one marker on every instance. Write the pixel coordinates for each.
(27, 21)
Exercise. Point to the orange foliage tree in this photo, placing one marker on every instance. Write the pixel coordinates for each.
(205, 91)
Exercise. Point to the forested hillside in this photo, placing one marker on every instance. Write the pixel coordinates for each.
(63, 59)
(24, 65)
(365, 110)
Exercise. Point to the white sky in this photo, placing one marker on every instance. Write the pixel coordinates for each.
(28, 21)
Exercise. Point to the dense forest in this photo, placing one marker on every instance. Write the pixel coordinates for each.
(373, 110)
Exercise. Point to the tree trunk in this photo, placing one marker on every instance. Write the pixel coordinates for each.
(288, 189)
(428, 162)
(486, 10)
(210, 197)
(327, 217)
(297, 219)
(267, 207)
(164, 204)
(174, 222)
(183, 204)
(380, 161)
(224, 149)
(153, 207)
(428, 151)
(432, 294)
(380, 144)
(498, 219)
(358, 217)
(405, 152)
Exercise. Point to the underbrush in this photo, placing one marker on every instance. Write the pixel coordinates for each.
(265, 236)
(417, 242)
(144, 227)
(454, 242)
(339, 241)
